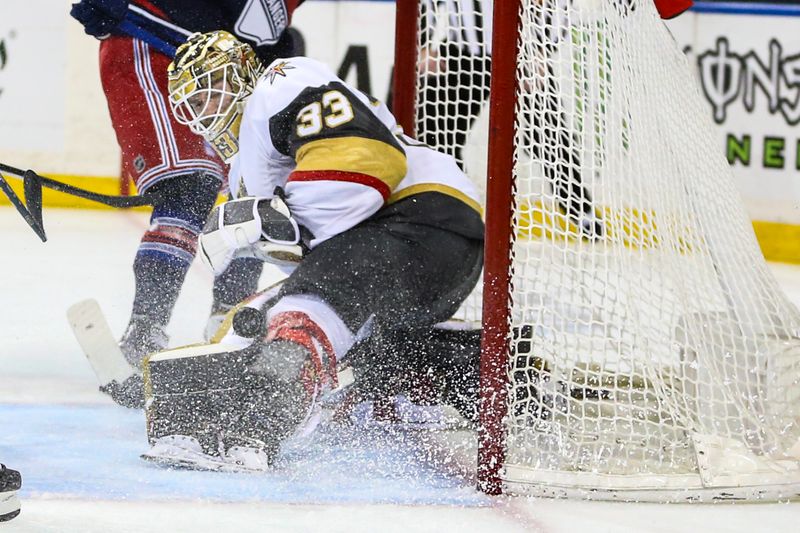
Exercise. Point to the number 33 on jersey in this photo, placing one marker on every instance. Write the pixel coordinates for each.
(338, 111)
(338, 153)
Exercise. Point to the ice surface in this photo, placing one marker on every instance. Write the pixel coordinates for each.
(79, 453)
(93, 452)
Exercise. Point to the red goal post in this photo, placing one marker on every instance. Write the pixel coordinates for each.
(638, 347)
(499, 201)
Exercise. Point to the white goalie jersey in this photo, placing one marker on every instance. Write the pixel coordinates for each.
(338, 154)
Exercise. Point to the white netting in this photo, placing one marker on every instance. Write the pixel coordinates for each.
(651, 347)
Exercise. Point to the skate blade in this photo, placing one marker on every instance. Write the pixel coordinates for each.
(206, 463)
(188, 461)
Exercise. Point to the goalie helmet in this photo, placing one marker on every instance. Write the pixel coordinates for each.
(209, 80)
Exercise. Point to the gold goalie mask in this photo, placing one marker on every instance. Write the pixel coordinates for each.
(209, 80)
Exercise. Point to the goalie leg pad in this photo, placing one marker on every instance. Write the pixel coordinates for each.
(234, 400)
(428, 366)
(195, 391)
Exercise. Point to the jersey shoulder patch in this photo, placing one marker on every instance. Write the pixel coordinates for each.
(278, 68)
(284, 79)
(296, 71)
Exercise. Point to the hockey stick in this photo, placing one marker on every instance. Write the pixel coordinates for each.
(32, 212)
(116, 376)
(98, 343)
(139, 24)
(31, 207)
(34, 182)
(158, 33)
(143, 14)
(132, 30)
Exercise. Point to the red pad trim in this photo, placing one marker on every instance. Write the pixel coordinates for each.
(297, 327)
(338, 175)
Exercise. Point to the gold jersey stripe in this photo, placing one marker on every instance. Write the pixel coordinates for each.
(436, 187)
(356, 155)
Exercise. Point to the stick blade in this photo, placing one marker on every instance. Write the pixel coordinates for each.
(34, 221)
(98, 343)
(32, 188)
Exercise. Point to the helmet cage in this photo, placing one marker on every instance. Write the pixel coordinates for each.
(208, 102)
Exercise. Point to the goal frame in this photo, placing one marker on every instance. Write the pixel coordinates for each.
(725, 468)
(495, 348)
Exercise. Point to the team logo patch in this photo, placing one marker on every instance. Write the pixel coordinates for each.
(263, 21)
(138, 163)
(278, 70)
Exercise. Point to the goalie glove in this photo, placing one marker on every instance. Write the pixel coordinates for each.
(251, 227)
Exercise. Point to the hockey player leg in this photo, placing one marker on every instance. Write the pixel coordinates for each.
(164, 256)
(159, 155)
(161, 263)
(10, 483)
(432, 366)
(294, 368)
(399, 285)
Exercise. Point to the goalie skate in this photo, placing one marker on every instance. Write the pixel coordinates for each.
(10, 483)
(186, 453)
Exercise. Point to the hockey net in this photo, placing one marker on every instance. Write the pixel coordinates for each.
(648, 353)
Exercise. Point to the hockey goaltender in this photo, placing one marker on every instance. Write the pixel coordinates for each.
(383, 236)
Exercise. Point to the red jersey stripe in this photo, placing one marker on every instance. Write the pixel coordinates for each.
(338, 175)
